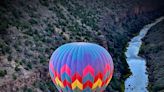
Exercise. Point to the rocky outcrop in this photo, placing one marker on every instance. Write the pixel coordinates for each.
(153, 51)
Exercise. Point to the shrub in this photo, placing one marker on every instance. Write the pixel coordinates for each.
(20, 63)
(71, 28)
(16, 13)
(24, 24)
(3, 73)
(17, 68)
(29, 32)
(44, 2)
(3, 25)
(33, 21)
(6, 49)
(47, 40)
(98, 33)
(78, 38)
(51, 86)
(42, 59)
(24, 61)
(49, 30)
(43, 86)
(29, 65)
(62, 22)
(28, 42)
(14, 76)
(27, 89)
(9, 58)
(87, 38)
(36, 38)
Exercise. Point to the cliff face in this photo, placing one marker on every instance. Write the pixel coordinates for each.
(31, 30)
(153, 50)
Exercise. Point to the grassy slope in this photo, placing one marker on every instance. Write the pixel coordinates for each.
(153, 50)
(31, 31)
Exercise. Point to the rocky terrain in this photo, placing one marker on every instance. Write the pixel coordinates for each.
(153, 51)
(31, 30)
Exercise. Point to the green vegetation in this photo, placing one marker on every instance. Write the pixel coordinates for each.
(142, 51)
(29, 65)
(9, 58)
(30, 32)
(14, 76)
(27, 89)
(42, 59)
(3, 25)
(44, 2)
(51, 86)
(5, 49)
(3, 73)
(33, 21)
(41, 85)
(17, 68)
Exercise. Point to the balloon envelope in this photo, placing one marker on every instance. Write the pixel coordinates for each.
(81, 66)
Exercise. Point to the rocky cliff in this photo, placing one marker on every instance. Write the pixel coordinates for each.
(153, 51)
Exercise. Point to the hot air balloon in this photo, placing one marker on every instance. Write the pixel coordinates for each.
(81, 67)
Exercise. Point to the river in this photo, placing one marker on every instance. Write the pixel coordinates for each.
(138, 81)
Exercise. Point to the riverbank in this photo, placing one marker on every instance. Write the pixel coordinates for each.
(138, 81)
(153, 51)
